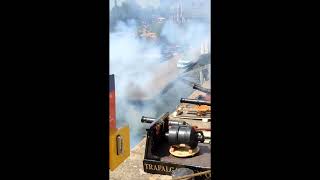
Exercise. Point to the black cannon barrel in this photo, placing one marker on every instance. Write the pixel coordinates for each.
(177, 123)
(145, 119)
(195, 101)
(202, 89)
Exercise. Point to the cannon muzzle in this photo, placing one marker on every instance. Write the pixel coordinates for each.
(202, 89)
(145, 119)
(195, 101)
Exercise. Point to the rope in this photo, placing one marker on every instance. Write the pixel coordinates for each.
(192, 175)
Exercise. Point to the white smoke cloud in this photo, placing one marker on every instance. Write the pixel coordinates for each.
(132, 60)
(191, 34)
(148, 3)
(112, 3)
(135, 63)
(141, 3)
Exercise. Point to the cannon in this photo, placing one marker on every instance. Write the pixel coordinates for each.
(176, 133)
(151, 120)
(184, 134)
(168, 141)
(195, 101)
(202, 89)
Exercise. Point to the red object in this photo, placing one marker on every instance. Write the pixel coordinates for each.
(112, 103)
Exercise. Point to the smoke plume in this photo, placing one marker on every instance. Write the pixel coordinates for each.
(139, 70)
